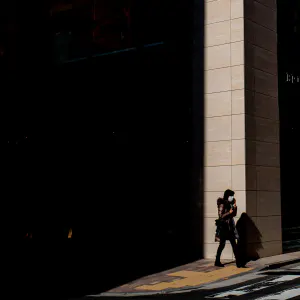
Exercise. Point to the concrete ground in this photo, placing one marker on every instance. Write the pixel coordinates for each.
(199, 275)
(282, 283)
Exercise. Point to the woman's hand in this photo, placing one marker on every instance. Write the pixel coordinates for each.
(231, 211)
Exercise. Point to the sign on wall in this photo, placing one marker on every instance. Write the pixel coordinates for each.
(292, 78)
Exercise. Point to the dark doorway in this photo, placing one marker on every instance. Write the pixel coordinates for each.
(289, 95)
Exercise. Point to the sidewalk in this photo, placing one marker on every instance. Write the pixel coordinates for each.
(196, 274)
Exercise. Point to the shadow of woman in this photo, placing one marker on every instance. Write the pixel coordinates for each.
(249, 242)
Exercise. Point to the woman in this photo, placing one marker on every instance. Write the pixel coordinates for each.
(226, 229)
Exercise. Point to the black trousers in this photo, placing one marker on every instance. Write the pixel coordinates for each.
(222, 246)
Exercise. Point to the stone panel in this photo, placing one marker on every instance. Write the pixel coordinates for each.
(238, 101)
(238, 127)
(268, 204)
(237, 9)
(268, 179)
(237, 77)
(262, 153)
(217, 34)
(237, 53)
(249, 78)
(218, 153)
(210, 207)
(218, 129)
(217, 57)
(218, 80)
(265, 83)
(237, 30)
(269, 3)
(260, 36)
(270, 249)
(260, 14)
(238, 152)
(217, 11)
(269, 227)
(261, 105)
(239, 178)
(251, 203)
(240, 197)
(261, 129)
(217, 179)
(261, 82)
(261, 59)
(251, 175)
(218, 104)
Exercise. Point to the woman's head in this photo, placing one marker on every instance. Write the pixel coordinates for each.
(228, 195)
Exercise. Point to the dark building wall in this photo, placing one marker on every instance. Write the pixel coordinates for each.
(289, 93)
(109, 152)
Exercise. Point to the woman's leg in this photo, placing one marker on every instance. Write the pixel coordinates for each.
(219, 252)
(234, 246)
(237, 255)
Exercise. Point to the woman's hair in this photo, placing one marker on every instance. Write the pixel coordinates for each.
(227, 194)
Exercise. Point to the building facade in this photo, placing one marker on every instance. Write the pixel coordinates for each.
(251, 63)
(162, 107)
(242, 117)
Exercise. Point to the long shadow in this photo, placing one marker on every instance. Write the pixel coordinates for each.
(249, 239)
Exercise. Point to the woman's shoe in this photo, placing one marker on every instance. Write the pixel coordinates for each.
(219, 264)
(241, 265)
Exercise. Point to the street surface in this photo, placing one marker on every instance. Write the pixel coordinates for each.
(279, 284)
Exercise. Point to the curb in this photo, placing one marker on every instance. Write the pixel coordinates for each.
(281, 264)
(189, 289)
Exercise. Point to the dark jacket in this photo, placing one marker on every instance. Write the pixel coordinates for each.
(226, 227)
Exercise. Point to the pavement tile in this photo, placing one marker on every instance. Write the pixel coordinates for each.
(189, 275)
(192, 275)
(195, 279)
(184, 274)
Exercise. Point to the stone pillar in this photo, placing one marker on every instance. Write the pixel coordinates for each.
(241, 118)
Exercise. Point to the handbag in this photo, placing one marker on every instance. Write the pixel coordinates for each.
(219, 222)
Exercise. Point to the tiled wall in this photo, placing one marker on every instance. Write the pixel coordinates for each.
(224, 103)
(262, 123)
(241, 116)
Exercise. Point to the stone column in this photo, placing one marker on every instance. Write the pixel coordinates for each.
(241, 118)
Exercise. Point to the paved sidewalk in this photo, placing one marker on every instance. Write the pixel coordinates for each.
(195, 275)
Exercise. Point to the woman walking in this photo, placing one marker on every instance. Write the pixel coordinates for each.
(226, 229)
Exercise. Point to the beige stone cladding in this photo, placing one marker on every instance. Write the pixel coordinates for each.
(241, 118)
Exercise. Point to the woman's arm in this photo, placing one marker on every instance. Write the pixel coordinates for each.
(221, 214)
(234, 212)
